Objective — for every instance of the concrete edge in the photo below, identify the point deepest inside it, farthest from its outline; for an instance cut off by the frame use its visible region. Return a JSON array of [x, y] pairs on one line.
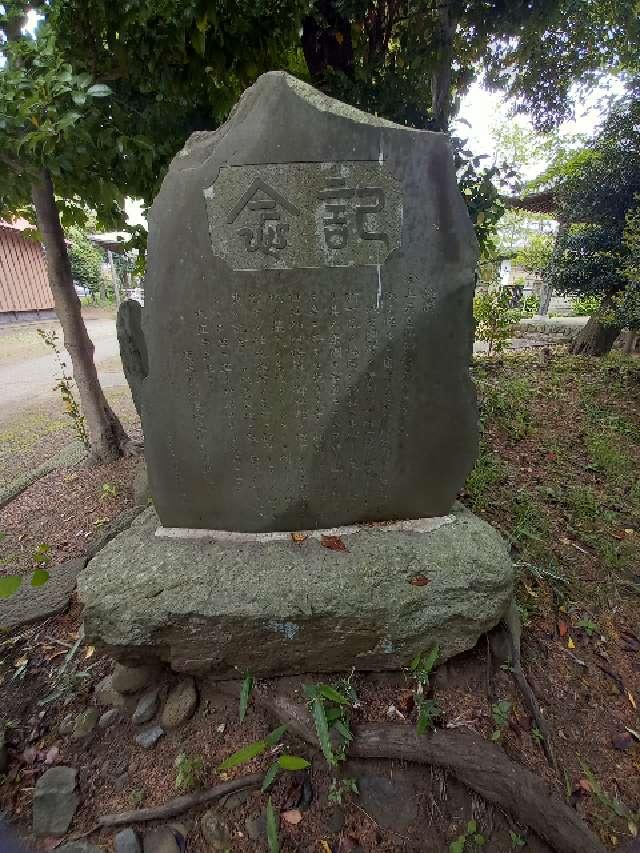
[[416, 525]]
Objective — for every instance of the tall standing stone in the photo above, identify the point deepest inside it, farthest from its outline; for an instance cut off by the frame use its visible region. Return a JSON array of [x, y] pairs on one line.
[[307, 323]]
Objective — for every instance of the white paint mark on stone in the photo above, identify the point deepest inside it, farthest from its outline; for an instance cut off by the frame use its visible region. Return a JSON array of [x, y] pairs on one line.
[[287, 629], [414, 525], [381, 154], [379, 293], [387, 647]]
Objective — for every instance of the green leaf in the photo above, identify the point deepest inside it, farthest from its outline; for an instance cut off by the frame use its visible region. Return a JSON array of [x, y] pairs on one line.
[[344, 730], [39, 577], [247, 753], [293, 762], [245, 694], [472, 827], [333, 695], [270, 777], [457, 846], [99, 90], [272, 829], [9, 585], [274, 736], [322, 728]]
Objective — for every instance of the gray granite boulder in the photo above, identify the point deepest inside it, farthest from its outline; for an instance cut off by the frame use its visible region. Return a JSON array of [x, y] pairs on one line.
[[285, 607], [54, 801]]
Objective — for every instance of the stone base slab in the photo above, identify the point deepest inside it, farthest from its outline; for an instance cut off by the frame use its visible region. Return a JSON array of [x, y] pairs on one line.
[[285, 607]]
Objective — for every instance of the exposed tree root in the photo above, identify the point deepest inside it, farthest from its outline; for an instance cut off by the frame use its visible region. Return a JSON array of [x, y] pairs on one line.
[[180, 804], [481, 766]]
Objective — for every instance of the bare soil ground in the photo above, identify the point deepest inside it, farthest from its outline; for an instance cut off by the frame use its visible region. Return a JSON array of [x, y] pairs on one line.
[[558, 474]]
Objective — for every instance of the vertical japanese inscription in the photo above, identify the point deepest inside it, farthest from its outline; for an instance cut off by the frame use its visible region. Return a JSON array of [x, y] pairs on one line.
[[304, 215]]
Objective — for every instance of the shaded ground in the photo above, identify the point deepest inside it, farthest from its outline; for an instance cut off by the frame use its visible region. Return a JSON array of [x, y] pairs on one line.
[[558, 474]]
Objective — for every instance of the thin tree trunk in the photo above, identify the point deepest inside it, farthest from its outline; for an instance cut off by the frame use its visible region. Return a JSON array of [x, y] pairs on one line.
[[106, 434], [441, 75], [599, 335]]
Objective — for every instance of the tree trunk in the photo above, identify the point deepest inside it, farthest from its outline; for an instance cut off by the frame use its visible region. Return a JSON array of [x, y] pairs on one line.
[[598, 336], [106, 434], [441, 75]]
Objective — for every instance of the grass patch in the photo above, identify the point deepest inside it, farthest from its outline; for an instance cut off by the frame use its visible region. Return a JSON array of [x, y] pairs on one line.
[[488, 473]]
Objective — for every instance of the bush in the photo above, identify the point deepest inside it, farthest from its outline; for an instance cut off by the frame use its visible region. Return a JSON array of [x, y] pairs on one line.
[[585, 306], [494, 318], [86, 261]]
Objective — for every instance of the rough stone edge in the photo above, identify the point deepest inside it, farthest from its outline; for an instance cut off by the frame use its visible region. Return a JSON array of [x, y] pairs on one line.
[[70, 455]]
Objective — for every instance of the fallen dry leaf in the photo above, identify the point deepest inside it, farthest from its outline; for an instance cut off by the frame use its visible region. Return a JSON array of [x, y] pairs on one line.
[[570, 643], [325, 847], [90, 651], [298, 537], [563, 628], [333, 543], [631, 699], [419, 580], [293, 816]]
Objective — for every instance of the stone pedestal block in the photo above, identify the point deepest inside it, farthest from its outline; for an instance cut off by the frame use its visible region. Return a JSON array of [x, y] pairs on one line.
[[284, 607]]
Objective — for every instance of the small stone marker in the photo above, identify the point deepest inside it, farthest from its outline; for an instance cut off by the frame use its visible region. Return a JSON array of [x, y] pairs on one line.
[[54, 801], [307, 321], [126, 841]]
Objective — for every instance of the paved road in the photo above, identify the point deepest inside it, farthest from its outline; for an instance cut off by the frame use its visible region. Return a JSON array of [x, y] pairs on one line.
[[23, 382]]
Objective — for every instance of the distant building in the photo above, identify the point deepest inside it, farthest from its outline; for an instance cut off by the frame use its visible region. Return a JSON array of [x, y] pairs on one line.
[[24, 285]]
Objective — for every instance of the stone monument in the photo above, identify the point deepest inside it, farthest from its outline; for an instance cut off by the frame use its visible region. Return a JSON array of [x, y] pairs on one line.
[[301, 368]]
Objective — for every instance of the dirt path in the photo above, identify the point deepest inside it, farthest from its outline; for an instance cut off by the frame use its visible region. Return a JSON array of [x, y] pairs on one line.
[[28, 371]]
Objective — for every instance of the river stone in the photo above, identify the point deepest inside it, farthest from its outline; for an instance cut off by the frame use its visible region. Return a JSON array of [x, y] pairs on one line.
[[302, 360], [79, 847], [126, 841], [282, 607], [130, 679], [85, 723], [109, 718], [161, 840], [390, 802], [215, 831], [105, 695], [147, 706], [149, 737], [54, 801], [180, 705]]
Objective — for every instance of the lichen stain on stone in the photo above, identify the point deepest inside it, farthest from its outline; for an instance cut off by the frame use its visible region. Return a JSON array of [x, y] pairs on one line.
[[287, 629]]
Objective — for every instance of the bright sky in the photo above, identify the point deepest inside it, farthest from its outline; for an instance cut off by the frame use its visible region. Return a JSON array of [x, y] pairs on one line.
[[484, 109]]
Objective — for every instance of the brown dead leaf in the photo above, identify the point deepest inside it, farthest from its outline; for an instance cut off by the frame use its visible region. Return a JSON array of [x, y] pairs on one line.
[[419, 580], [333, 543], [298, 537], [563, 628], [325, 847], [584, 785], [293, 816]]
